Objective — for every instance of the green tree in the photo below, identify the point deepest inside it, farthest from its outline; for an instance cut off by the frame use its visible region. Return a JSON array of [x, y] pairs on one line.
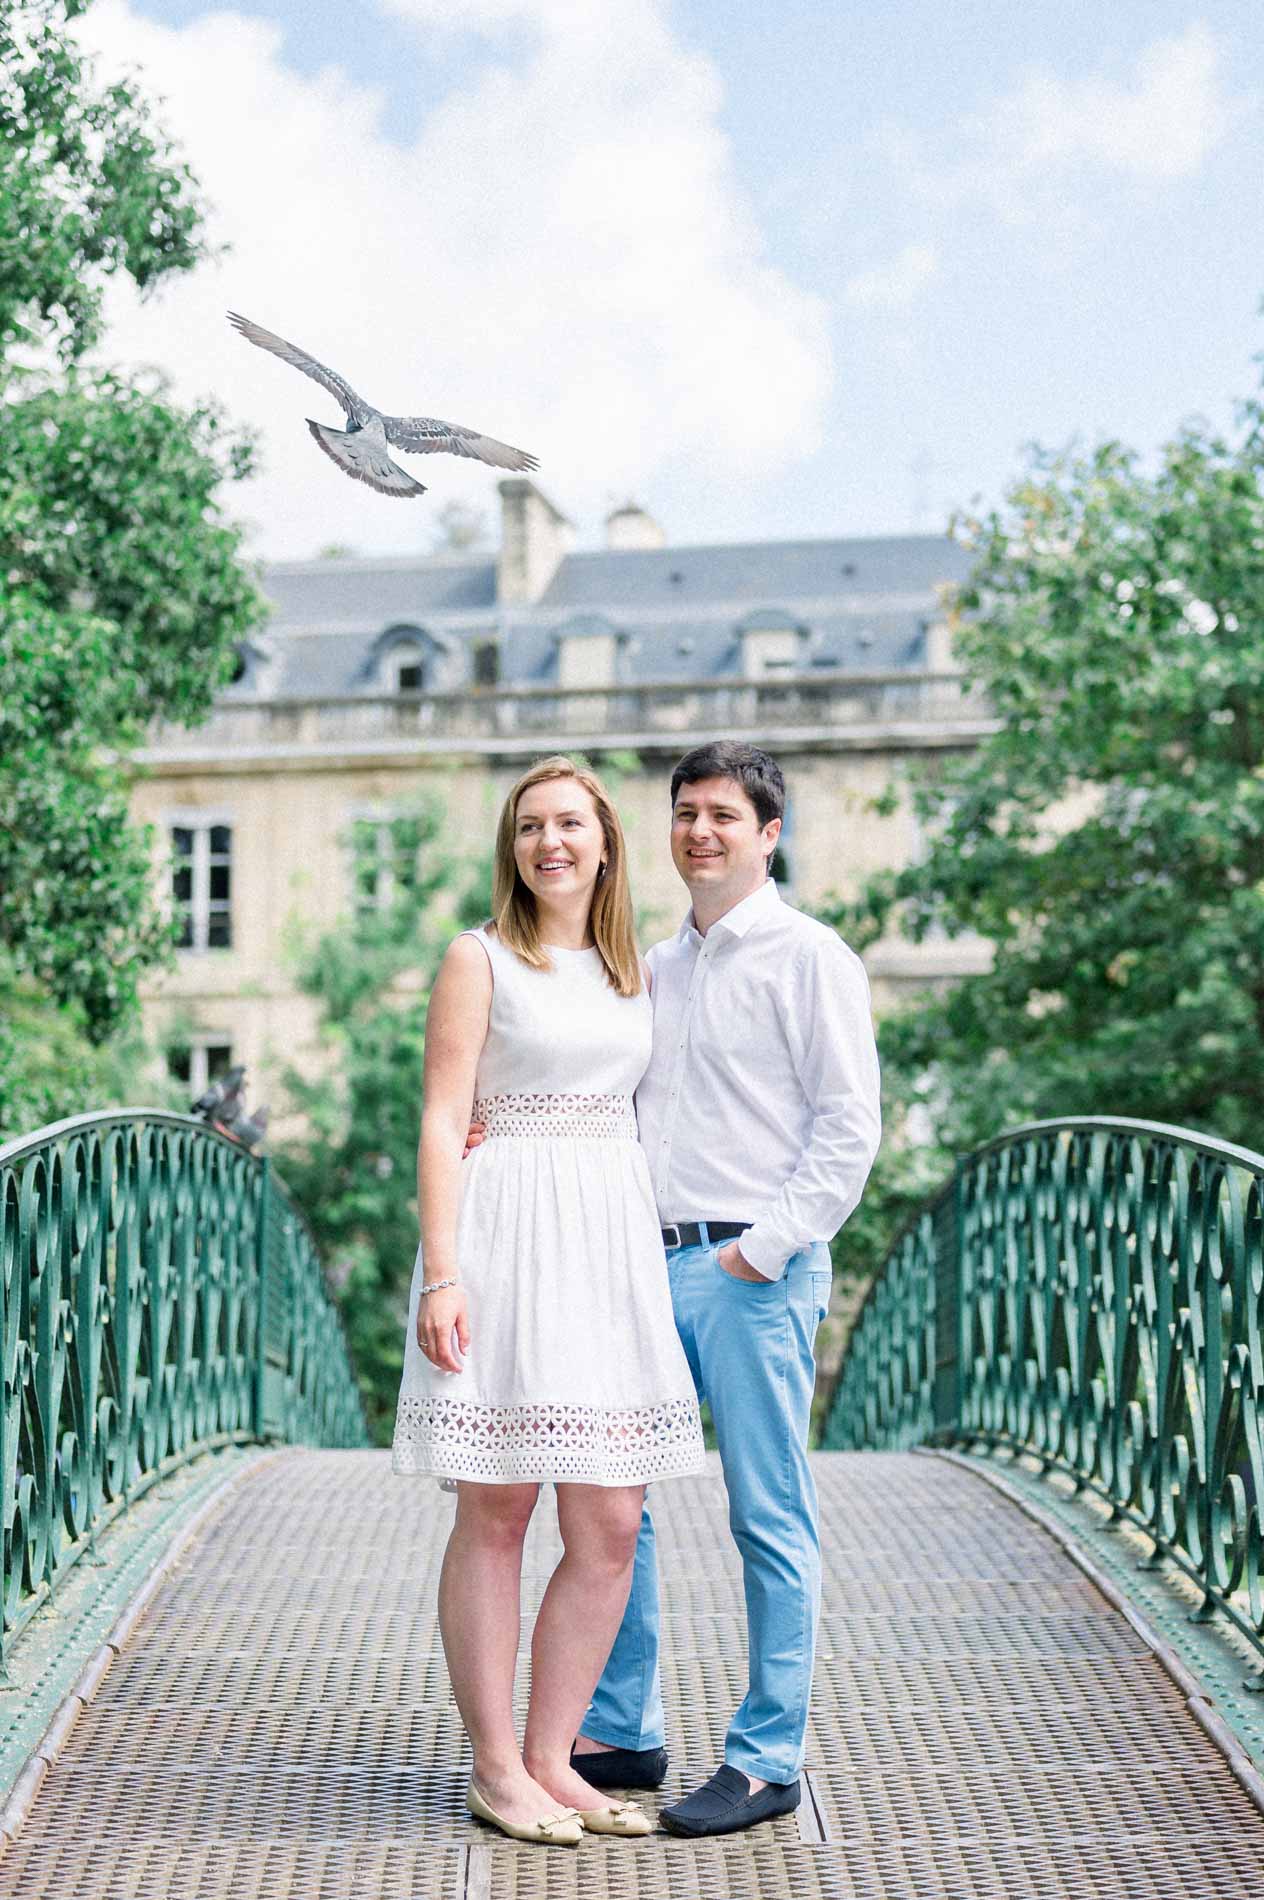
[[1108, 837], [50, 1066], [89, 187], [354, 1168], [124, 593]]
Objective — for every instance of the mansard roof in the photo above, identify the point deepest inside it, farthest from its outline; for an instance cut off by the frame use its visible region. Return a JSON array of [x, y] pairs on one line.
[[309, 596], [864, 603], [756, 571]]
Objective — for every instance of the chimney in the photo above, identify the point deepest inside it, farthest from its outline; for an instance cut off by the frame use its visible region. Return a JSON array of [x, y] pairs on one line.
[[534, 536], [631, 527], [940, 657]]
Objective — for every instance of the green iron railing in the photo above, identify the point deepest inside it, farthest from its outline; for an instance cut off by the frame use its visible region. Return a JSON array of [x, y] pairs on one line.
[[1090, 1291], [160, 1295]]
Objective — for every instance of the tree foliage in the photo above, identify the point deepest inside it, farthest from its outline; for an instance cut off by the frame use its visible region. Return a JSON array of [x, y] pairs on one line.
[[50, 1066], [1108, 837], [124, 599], [89, 187], [123, 591]]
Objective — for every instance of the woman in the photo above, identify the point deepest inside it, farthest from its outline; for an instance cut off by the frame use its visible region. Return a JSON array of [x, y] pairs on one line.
[[541, 1343]]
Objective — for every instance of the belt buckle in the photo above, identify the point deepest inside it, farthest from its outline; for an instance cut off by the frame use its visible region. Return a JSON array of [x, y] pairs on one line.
[[672, 1228]]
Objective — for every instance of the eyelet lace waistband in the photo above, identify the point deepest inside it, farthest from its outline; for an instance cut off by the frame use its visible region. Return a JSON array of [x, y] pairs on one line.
[[548, 1116]]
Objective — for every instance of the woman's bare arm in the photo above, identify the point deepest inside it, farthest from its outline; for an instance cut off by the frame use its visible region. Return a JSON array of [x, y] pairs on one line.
[[456, 1028]]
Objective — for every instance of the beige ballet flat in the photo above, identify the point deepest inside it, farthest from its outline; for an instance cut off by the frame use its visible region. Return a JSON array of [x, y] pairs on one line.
[[557, 1830], [621, 1817]]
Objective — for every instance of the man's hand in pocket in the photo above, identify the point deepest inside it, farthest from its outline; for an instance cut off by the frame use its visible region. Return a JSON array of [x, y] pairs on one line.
[[730, 1258]]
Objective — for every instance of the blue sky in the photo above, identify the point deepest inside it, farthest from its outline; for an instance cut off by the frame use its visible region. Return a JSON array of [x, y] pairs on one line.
[[823, 276]]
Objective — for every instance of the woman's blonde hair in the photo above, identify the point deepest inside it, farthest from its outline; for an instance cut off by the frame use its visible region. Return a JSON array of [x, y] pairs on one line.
[[514, 906]]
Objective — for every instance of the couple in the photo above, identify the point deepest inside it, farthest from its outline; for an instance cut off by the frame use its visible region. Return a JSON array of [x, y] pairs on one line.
[[547, 1339]]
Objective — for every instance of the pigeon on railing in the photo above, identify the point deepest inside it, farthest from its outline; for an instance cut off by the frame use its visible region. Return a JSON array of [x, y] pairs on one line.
[[361, 450], [223, 1107], [248, 1129], [224, 1091]]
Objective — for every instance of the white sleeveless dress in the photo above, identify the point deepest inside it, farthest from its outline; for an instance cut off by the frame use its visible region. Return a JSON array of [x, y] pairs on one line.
[[575, 1371]]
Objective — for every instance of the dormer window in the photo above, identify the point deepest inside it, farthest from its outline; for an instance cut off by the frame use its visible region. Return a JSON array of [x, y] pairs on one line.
[[771, 641], [255, 667], [405, 658], [588, 649]]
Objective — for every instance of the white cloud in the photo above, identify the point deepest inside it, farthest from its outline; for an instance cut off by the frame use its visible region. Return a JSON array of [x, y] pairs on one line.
[[892, 286], [1162, 124], [1036, 142], [560, 257]]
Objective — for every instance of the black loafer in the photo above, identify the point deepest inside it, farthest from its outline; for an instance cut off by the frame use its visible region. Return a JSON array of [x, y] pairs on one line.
[[725, 1805], [622, 1767]]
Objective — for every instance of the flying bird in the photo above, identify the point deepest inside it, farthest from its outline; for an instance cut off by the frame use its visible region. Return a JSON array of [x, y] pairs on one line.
[[361, 450]]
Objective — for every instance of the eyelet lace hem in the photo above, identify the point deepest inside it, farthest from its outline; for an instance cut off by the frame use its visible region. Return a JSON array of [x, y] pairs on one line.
[[549, 1116], [589, 1444]]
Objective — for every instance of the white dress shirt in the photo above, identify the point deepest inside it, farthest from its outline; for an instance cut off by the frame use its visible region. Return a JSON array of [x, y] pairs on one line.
[[761, 1099]]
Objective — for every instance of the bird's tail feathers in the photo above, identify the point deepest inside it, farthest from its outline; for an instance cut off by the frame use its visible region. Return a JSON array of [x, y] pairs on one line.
[[347, 448]]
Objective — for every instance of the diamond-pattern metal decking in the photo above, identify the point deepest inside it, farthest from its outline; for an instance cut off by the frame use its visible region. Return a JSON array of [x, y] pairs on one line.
[[984, 1723]]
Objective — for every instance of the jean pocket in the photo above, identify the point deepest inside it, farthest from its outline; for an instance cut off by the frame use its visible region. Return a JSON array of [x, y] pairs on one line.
[[751, 1286]]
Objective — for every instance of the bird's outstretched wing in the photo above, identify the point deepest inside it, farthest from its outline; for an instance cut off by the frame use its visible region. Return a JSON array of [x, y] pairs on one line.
[[343, 394], [426, 435], [363, 463]]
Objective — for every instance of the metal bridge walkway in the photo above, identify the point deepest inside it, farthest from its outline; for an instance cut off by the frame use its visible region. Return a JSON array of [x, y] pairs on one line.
[[985, 1723]]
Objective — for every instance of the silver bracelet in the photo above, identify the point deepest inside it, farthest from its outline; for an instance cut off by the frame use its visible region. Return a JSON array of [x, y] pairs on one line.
[[435, 1286]]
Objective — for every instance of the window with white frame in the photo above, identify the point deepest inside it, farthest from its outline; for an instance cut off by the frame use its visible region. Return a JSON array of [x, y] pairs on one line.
[[385, 860], [201, 882], [200, 1061]]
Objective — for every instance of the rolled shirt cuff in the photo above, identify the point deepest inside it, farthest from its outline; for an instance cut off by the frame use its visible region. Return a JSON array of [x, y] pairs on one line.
[[768, 1257]]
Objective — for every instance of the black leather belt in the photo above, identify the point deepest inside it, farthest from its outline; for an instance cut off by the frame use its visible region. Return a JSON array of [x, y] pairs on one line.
[[694, 1233]]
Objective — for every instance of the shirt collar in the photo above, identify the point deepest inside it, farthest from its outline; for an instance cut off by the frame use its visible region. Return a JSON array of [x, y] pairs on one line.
[[742, 916]]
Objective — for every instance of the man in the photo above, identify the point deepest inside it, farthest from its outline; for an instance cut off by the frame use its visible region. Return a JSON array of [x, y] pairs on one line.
[[759, 1114]]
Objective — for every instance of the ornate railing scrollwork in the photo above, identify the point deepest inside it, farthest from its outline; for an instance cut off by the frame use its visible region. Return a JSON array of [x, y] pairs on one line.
[[1090, 1291], [160, 1295]]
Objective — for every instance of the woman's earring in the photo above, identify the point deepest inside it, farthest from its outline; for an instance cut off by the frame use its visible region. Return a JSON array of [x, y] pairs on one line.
[[601, 868]]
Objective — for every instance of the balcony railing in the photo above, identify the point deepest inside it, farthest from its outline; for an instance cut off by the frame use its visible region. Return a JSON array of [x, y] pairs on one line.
[[676, 710]]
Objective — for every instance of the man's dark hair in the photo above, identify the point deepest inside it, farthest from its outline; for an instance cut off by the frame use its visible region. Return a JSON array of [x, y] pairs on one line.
[[756, 772]]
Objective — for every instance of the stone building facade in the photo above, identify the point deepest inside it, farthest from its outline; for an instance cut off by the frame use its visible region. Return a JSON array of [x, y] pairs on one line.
[[376, 680]]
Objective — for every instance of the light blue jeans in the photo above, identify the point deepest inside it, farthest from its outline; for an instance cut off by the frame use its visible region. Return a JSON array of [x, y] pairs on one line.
[[749, 1347]]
